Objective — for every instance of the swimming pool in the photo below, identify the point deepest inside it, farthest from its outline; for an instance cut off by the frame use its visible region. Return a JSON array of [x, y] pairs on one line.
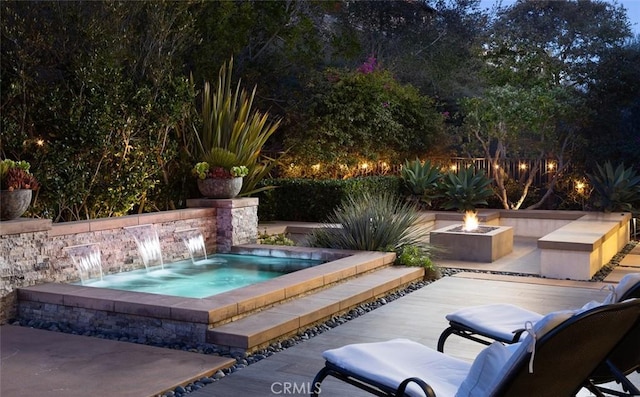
[[204, 277]]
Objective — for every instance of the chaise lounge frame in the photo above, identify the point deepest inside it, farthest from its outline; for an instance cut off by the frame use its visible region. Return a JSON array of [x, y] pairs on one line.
[[564, 358], [623, 361]]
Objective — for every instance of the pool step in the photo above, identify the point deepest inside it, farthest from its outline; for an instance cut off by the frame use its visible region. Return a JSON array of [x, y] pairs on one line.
[[276, 323]]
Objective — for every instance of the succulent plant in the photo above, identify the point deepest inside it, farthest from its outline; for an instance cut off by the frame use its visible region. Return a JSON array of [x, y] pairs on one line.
[[15, 175], [421, 179], [466, 189], [615, 190]]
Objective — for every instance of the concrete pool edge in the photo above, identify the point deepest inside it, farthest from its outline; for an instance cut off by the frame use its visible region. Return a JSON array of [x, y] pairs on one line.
[[160, 317]]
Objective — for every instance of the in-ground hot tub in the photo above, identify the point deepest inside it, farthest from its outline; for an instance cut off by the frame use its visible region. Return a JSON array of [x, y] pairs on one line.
[[201, 278], [153, 318]]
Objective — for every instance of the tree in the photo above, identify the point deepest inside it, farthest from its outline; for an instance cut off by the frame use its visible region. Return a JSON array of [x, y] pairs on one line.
[[363, 116], [553, 42], [540, 57], [428, 44], [612, 126], [517, 123], [93, 98]]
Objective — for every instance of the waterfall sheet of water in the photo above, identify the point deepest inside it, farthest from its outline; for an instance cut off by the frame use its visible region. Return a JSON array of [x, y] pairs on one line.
[[194, 241], [148, 243], [87, 259]]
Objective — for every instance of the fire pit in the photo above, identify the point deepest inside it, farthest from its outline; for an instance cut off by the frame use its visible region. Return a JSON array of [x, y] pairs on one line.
[[473, 242]]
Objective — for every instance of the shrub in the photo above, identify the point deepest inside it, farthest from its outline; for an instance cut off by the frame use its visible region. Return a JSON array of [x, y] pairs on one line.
[[370, 222], [95, 110], [275, 239], [413, 255], [309, 200], [369, 116]]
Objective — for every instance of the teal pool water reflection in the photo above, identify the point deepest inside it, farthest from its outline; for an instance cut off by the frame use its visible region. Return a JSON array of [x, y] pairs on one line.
[[205, 277]]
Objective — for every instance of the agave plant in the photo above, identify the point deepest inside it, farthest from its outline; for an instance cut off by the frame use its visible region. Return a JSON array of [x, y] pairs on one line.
[[230, 122], [372, 223], [616, 190], [421, 179], [466, 189]]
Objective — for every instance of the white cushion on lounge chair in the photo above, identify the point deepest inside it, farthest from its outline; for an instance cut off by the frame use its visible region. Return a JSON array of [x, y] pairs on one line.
[[487, 366], [625, 284], [393, 361], [498, 319], [537, 331]]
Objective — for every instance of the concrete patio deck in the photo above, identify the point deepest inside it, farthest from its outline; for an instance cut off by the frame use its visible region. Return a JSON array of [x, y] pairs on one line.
[[38, 362]]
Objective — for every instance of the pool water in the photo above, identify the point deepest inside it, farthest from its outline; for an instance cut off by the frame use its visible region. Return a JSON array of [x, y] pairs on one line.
[[204, 277]]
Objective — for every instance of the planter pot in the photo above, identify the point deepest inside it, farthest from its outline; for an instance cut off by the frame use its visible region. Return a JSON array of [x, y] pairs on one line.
[[220, 188], [13, 203]]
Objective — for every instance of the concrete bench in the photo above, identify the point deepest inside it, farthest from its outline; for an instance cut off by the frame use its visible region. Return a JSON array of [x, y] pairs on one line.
[[580, 248]]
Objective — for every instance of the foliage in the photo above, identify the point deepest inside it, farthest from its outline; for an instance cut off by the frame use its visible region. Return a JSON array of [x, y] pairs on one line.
[[615, 190], [548, 52], [511, 122], [275, 239], [412, 255], [370, 222], [230, 122], [612, 126], [466, 189], [421, 178], [15, 175], [551, 43], [364, 116], [430, 45], [311, 200], [7, 164], [95, 94], [95, 106], [514, 190], [220, 157], [568, 195], [204, 170]]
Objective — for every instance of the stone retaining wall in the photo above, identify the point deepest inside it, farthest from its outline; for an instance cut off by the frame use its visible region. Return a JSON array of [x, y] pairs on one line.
[[32, 250]]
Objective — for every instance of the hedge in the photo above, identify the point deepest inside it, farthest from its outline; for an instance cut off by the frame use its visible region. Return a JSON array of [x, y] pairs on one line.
[[311, 200]]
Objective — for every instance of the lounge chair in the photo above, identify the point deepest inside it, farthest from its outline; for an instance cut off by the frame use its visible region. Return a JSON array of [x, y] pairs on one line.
[[503, 322], [555, 358]]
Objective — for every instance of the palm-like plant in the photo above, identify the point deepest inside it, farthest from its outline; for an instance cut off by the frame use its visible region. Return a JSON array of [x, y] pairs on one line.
[[616, 190], [230, 122], [466, 189], [371, 223]]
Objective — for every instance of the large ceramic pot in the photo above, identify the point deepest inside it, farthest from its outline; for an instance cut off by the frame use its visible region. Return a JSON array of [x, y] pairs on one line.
[[220, 188], [13, 203]]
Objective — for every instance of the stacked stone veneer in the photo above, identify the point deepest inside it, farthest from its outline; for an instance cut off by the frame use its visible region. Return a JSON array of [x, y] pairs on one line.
[[145, 329], [32, 250]]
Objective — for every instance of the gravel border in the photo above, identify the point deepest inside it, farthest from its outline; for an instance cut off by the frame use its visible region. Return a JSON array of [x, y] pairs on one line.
[[243, 360]]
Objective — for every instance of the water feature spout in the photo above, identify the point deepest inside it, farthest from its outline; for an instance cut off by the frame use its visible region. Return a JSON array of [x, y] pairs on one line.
[[87, 260], [194, 241], [148, 243]]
